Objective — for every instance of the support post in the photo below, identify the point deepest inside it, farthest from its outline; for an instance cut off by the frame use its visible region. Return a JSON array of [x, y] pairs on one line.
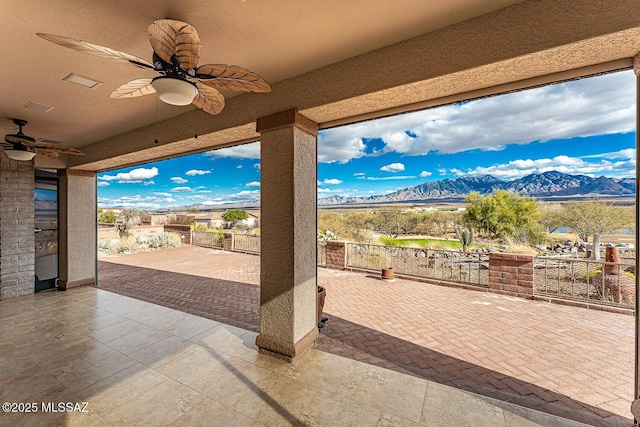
[[288, 270], [77, 228]]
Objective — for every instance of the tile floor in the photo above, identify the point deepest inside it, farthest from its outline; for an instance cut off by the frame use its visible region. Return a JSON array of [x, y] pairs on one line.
[[136, 363], [570, 362]]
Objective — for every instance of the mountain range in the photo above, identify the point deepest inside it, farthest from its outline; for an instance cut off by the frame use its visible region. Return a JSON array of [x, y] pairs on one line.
[[547, 184]]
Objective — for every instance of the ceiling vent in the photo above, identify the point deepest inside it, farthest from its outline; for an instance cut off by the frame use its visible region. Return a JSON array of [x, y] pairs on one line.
[[82, 81], [34, 106]]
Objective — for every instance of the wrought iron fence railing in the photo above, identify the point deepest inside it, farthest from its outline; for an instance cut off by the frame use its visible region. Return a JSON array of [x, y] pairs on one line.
[[470, 268], [246, 243], [209, 239], [321, 254], [585, 280]]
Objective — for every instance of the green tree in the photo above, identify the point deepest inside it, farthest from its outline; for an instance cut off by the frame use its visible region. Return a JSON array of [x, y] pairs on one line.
[[501, 214], [234, 215], [595, 217], [107, 217]]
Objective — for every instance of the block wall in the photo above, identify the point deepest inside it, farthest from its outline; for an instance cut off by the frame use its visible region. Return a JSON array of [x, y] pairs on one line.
[[17, 238]]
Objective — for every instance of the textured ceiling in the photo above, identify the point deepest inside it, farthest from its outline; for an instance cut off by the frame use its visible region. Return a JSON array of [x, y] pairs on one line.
[[341, 60]]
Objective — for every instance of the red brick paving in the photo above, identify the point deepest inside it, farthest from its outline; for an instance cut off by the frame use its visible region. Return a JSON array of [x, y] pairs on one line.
[[572, 362]]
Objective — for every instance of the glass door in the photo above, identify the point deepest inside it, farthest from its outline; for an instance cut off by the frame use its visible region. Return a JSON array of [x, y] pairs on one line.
[[46, 229]]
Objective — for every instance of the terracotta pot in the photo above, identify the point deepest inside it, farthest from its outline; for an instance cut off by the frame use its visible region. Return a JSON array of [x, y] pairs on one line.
[[387, 273], [322, 294]]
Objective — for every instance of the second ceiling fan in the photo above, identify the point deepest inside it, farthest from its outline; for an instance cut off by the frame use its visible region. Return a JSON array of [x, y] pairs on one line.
[[176, 52]]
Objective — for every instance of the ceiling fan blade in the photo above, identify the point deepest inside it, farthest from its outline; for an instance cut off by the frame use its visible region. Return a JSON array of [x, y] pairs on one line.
[[96, 49], [170, 38], [48, 146], [208, 99], [133, 88], [48, 153], [17, 139], [231, 77]]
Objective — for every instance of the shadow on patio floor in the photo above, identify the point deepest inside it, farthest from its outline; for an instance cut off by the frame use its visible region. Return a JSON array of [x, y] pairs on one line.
[[237, 304]]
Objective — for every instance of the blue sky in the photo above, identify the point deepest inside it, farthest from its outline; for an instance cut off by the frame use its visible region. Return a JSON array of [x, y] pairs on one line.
[[585, 126]]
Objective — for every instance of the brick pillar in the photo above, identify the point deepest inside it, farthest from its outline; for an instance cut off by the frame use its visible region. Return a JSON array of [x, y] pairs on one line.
[[227, 244], [511, 274], [336, 254], [17, 238]]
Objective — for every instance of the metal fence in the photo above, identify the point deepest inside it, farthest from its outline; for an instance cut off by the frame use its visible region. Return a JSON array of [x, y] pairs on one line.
[[585, 280], [463, 267], [209, 239], [246, 243], [321, 254]]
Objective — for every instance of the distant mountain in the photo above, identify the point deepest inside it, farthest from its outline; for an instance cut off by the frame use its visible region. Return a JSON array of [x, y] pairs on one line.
[[547, 184]]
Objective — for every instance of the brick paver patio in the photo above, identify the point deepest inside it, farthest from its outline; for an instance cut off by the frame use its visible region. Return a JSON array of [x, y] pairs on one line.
[[571, 362]]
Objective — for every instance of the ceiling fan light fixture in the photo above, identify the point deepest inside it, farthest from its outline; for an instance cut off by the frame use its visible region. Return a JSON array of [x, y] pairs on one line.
[[174, 91], [20, 155]]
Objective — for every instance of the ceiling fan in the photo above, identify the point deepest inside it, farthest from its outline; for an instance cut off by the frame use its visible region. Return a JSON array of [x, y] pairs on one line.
[[22, 147], [176, 51]]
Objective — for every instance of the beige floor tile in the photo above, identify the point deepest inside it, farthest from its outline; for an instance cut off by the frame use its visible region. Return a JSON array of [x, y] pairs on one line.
[[118, 389], [230, 381], [517, 416], [77, 375], [228, 339], [159, 353], [138, 340], [117, 331], [209, 413], [191, 326], [161, 405], [277, 401], [392, 392], [148, 313], [191, 364], [333, 373], [445, 404], [329, 409]]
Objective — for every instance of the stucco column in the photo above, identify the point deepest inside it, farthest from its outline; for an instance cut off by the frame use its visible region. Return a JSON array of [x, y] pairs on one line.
[[635, 406], [288, 272], [77, 228]]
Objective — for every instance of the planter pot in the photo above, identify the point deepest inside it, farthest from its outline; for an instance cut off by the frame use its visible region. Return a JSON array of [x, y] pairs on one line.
[[387, 274], [322, 294]]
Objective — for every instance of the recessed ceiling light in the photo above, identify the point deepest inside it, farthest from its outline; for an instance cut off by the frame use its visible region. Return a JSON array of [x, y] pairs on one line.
[[82, 81], [38, 107]]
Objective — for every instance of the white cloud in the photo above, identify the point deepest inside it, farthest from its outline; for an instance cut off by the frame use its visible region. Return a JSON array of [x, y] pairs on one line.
[[330, 181], [150, 182], [393, 167], [178, 180], [324, 190], [386, 178], [595, 106], [157, 193], [239, 167], [624, 167], [135, 176], [424, 174], [103, 184], [181, 189], [627, 153], [194, 172], [244, 151], [359, 174], [252, 184], [442, 171]]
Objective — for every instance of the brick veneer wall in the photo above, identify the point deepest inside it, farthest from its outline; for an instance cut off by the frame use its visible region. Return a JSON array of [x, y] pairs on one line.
[[183, 230], [336, 255], [511, 274], [227, 243], [17, 238]]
